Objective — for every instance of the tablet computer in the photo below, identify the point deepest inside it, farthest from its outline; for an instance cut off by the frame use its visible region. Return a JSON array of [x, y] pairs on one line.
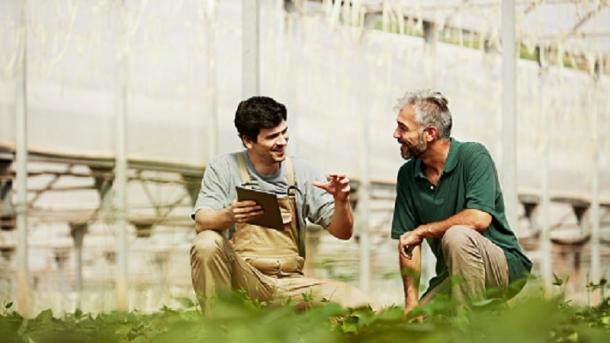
[[271, 217]]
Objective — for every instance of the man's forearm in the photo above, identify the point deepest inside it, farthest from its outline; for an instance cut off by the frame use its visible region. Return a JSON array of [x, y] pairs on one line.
[[218, 220], [342, 222], [476, 219], [410, 270]]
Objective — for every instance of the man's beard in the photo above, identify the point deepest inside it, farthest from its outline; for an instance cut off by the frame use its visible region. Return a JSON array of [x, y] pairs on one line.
[[412, 152]]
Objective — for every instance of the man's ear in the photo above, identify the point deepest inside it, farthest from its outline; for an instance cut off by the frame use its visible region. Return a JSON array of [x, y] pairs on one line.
[[247, 142], [430, 134]]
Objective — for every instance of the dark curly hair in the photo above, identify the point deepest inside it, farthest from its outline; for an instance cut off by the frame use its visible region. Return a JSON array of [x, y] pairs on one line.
[[258, 112]]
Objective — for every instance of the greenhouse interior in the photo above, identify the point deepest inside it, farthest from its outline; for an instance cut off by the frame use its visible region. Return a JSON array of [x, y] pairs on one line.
[[111, 109]]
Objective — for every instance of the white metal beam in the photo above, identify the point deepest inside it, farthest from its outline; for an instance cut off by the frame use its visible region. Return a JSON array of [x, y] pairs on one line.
[[212, 84], [21, 157], [120, 171], [364, 197], [250, 48], [595, 184], [546, 261], [509, 120]]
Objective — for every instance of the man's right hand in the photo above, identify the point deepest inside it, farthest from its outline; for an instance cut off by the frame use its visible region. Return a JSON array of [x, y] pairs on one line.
[[408, 241], [244, 211]]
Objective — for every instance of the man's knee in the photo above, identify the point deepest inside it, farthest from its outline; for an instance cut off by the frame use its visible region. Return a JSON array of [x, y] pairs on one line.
[[207, 245], [457, 238]]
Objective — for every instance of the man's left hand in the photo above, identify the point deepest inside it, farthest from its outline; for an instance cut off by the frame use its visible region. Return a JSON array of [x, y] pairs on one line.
[[408, 240], [338, 186]]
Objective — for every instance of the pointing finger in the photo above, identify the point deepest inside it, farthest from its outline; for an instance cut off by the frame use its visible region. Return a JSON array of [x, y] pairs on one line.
[[321, 185]]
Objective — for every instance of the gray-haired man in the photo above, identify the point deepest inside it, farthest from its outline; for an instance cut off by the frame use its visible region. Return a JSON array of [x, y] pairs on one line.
[[448, 193]]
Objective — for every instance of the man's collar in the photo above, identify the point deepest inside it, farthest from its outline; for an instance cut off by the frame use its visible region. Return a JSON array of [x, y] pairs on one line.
[[449, 165], [452, 156]]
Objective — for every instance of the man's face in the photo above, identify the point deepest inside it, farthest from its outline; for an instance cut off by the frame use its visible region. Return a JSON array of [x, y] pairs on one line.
[[409, 134], [271, 144]]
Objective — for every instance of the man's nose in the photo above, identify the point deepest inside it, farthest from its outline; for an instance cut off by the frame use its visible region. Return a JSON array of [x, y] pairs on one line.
[[395, 134], [283, 140]]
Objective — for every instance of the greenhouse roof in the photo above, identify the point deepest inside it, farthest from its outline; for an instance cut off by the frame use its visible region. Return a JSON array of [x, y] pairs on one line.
[[577, 26]]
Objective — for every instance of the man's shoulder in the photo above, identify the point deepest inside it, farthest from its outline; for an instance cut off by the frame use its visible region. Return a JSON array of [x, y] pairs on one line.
[[405, 172], [472, 148], [474, 155]]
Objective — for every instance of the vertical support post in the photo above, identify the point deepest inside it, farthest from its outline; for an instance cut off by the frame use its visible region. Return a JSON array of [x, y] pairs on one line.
[[21, 157], [595, 184], [120, 181], [364, 197], [509, 120], [210, 17], [77, 231], [250, 48], [363, 223], [545, 237]]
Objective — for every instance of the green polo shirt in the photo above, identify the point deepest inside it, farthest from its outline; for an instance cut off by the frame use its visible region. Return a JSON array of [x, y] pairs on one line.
[[469, 180]]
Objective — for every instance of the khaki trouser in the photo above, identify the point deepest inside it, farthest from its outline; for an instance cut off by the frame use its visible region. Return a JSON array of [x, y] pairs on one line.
[[216, 267], [475, 264]]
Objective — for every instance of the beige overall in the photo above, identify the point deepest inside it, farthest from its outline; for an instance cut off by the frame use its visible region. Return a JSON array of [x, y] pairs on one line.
[[264, 262]]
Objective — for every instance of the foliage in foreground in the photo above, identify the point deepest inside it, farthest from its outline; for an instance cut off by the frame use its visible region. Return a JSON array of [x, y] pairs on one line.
[[238, 319]]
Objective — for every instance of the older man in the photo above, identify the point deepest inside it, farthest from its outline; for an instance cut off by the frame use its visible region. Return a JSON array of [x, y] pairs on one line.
[[448, 193]]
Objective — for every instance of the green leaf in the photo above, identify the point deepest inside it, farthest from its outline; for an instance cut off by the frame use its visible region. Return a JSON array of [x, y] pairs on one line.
[[573, 337], [185, 302]]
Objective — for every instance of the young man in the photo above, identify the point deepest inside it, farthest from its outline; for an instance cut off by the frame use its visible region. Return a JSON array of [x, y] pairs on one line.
[[229, 252], [448, 193]]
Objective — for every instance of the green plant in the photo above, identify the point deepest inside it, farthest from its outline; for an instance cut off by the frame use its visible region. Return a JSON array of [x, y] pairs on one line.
[[236, 318]]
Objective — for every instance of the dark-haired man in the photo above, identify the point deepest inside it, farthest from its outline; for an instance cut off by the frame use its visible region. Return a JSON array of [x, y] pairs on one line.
[[448, 193], [229, 252]]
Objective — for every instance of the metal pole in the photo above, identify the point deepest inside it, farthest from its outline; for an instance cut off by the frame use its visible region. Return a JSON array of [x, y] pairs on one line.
[[211, 78], [78, 230], [509, 120], [120, 182], [595, 213], [545, 237], [364, 197], [363, 214], [21, 157], [250, 48]]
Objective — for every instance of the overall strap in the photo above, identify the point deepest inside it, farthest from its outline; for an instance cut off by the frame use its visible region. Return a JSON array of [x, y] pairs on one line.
[[290, 172], [245, 176], [293, 190]]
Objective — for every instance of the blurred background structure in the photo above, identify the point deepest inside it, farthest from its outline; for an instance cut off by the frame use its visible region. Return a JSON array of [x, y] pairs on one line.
[[110, 109]]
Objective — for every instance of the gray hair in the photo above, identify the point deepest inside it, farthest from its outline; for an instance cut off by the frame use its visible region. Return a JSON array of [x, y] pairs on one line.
[[431, 110]]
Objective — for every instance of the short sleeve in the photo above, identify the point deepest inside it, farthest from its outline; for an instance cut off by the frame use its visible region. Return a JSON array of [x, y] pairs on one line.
[[214, 193], [481, 183], [319, 204], [403, 219]]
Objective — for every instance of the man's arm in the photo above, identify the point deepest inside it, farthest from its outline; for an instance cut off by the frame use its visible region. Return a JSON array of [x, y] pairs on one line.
[[342, 221], [476, 219], [238, 212], [410, 270]]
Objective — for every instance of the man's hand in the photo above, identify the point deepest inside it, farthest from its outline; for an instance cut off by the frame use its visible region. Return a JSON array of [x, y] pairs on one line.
[[408, 241], [338, 186], [243, 211]]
